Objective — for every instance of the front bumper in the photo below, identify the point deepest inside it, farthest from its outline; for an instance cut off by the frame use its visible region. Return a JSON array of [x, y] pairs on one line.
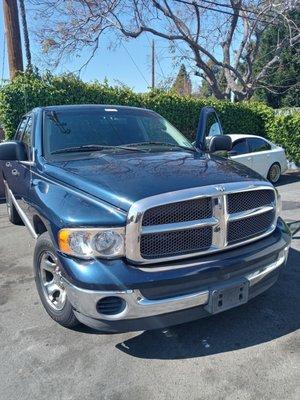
[[138, 307], [161, 297]]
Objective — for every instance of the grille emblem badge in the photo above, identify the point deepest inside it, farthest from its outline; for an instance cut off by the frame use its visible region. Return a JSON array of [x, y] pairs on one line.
[[220, 188]]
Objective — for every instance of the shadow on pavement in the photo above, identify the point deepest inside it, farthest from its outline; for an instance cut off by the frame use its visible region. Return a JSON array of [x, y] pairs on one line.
[[289, 177], [271, 315]]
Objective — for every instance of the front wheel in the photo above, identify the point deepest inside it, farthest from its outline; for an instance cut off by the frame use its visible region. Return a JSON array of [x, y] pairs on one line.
[[52, 293], [274, 173]]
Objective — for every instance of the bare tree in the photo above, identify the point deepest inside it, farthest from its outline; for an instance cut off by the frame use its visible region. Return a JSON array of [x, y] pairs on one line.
[[204, 33]]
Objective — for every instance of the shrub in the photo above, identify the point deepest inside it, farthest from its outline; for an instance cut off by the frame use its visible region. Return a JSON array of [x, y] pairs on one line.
[[27, 91], [286, 132]]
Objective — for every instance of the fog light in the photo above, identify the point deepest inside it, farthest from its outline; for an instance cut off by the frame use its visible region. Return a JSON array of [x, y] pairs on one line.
[[111, 305]]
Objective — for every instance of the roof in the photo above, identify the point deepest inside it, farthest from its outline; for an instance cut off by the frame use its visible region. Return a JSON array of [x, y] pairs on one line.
[[239, 136], [99, 106]]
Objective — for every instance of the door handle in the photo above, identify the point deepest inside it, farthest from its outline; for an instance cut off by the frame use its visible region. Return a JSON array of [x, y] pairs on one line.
[[15, 172], [8, 163]]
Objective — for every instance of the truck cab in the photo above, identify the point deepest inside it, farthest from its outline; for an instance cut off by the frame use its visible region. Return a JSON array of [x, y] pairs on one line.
[[135, 226]]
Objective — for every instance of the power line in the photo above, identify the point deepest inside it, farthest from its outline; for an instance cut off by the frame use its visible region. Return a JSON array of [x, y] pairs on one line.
[[238, 8], [137, 67]]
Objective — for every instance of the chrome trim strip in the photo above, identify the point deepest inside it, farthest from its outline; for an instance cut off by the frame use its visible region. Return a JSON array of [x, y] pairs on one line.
[[21, 213], [137, 306], [258, 275], [218, 194], [179, 226], [250, 213], [219, 238]]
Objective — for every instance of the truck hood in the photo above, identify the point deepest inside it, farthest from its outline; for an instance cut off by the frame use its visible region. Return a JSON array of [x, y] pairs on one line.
[[122, 178]]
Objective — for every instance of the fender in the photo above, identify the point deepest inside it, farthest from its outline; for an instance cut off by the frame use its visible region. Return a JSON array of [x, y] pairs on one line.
[[49, 198]]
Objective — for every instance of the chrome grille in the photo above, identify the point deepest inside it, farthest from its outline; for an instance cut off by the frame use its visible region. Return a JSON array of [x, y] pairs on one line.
[[171, 213], [238, 202], [175, 243], [248, 228], [199, 221]]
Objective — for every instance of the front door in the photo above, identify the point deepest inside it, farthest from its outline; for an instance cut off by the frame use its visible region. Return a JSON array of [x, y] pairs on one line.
[[17, 174], [209, 125], [241, 153], [261, 155]]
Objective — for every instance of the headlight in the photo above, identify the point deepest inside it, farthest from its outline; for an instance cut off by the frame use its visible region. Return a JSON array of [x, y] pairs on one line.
[[88, 243]]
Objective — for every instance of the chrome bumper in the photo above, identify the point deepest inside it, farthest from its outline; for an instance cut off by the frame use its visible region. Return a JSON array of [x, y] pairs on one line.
[[137, 306]]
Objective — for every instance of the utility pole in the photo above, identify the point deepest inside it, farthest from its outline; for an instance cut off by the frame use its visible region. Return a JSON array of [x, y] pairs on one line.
[[14, 46], [25, 35], [153, 66]]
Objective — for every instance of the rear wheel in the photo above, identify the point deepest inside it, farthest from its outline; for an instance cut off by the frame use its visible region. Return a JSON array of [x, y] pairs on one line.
[[12, 212], [274, 173], [50, 287]]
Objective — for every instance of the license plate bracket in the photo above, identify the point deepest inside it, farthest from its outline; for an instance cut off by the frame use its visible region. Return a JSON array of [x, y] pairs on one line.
[[228, 296]]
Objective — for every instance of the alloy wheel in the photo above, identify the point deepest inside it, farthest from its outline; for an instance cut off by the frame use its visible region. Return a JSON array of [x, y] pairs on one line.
[[274, 173], [50, 279]]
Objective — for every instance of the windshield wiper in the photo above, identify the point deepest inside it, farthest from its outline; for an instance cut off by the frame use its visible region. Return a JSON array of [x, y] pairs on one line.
[[160, 144], [92, 147]]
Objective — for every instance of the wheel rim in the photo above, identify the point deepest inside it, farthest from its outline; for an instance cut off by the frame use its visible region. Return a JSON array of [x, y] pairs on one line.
[[274, 173], [50, 278]]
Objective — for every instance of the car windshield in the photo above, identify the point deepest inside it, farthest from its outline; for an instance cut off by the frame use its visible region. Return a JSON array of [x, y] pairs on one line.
[[91, 129]]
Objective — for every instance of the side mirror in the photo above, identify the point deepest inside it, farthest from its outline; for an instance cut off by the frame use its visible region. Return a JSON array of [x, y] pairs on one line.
[[13, 151], [220, 143]]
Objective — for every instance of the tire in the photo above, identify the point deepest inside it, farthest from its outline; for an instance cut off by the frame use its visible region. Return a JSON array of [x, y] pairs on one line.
[[52, 294], [274, 173], [12, 212]]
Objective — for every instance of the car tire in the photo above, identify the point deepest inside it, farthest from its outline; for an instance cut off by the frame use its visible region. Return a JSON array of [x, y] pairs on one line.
[[49, 286], [12, 212], [274, 173]]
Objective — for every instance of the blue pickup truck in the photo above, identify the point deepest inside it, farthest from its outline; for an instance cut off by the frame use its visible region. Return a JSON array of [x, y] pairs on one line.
[[136, 227]]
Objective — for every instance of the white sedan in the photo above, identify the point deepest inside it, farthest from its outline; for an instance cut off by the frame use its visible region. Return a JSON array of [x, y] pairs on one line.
[[259, 154]]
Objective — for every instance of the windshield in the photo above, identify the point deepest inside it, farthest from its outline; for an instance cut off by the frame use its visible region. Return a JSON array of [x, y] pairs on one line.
[[73, 130]]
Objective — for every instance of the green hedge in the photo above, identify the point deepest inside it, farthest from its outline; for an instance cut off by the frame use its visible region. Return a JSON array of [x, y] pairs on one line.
[[286, 132], [29, 90]]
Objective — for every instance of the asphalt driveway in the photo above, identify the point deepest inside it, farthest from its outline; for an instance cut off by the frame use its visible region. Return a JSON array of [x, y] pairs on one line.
[[252, 352]]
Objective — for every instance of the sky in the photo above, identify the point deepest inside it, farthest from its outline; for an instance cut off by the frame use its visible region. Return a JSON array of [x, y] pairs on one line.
[[115, 65]]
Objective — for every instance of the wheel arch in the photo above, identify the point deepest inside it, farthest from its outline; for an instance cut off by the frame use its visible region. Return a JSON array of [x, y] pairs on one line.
[[39, 225]]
